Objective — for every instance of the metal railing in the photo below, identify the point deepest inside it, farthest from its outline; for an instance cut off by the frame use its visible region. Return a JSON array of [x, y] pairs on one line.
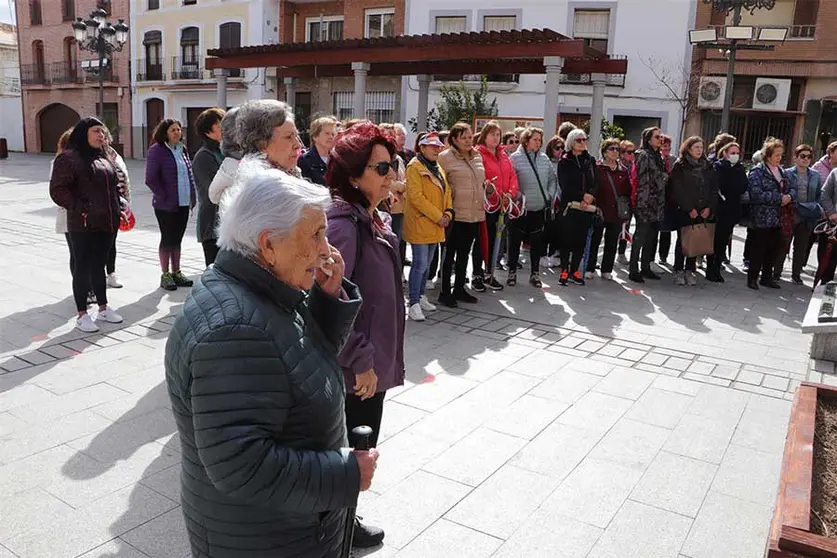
[[33, 74], [65, 72], [476, 78], [188, 68], [86, 71], [614, 80], [150, 70], [802, 31]]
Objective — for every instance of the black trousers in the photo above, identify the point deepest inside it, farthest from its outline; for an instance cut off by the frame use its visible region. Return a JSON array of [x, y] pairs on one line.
[[765, 243], [476, 253], [364, 413], [90, 252], [748, 244], [642, 247], [623, 244], [801, 242], [574, 227], [826, 268], [531, 226], [552, 238], [110, 265], [723, 234], [210, 250], [610, 233], [69, 240], [680, 261], [664, 244], [172, 226], [460, 242]]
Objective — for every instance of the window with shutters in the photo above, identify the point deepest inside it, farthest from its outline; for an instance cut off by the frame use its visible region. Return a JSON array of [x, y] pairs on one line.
[[230, 37], [805, 19], [451, 24], [594, 27], [380, 105], [325, 28], [68, 10], [38, 59], [153, 4], [499, 23], [189, 44], [152, 67], [35, 16], [380, 22]]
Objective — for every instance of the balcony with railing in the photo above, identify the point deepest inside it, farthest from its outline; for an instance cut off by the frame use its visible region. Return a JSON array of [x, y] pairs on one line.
[[613, 80], [188, 68], [795, 32], [33, 74], [150, 70]]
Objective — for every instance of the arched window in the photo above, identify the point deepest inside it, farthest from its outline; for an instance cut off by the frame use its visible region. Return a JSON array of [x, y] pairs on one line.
[[38, 61], [70, 59], [230, 37], [153, 67], [189, 67]]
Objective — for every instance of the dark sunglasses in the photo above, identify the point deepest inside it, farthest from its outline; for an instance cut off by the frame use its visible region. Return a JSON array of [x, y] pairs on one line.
[[613, 148], [628, 152], [383, 167], [580, 140], [805, 156], [656, 137], [513, 141], [558, 147]]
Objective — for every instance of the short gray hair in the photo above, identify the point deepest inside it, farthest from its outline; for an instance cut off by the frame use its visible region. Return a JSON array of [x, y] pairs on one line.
[[400, 127], [256, 121], [265, 200], [571, 137], [229, 135]]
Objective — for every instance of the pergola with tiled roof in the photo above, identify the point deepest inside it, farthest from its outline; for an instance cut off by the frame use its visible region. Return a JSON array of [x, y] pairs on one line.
[[529, 51]]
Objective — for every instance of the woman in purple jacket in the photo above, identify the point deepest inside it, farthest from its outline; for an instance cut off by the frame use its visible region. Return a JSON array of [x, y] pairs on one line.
[[361, 168], [168, 173]]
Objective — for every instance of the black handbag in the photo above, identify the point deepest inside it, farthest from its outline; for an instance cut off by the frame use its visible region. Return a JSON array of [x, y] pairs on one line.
[[623, 203], [549, 216]]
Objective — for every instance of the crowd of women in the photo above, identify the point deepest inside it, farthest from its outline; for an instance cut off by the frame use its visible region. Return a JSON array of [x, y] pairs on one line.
[[295, 334]]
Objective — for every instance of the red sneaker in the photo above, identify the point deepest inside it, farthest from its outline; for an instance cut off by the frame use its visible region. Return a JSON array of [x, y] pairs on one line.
[[565, 276]]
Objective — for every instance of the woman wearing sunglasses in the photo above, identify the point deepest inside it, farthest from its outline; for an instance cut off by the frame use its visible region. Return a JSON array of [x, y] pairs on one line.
[[510, 142], [554, 150], [807, 183], [361, 170]]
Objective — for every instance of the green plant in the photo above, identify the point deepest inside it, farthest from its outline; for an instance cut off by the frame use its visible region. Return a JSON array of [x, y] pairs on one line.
[[459, 103], [609, 130], [432, 122]]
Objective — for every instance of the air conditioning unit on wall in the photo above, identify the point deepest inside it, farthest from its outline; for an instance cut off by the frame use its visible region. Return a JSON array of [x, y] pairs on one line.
[[771, 94], [711, 92]]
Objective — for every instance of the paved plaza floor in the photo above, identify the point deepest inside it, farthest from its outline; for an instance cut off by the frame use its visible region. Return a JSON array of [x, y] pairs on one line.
[[602, 421]]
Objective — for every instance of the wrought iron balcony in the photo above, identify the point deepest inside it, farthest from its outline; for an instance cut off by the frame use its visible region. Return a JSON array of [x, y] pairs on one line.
[[802, 31], [33, 74], [613, 80], [150, 70], [188, 68], [90, 71], [65, 72]]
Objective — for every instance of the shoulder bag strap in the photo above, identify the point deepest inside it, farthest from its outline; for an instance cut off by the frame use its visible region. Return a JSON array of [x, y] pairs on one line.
[[612, 185], [537, 177]]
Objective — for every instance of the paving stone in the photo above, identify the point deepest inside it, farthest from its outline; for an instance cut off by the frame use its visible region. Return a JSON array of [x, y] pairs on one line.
[[677, 385], [31, 441], [13, 364], [120, 439], [25, 509], [58, 351], [654, 359], [762, 430], [628, 383], [590, 366], [728, 527], [545, 534], [749, 474], [566, 386], [567, 351], [782, 373], [162, 537], [591, 346], [36, 357], [521, 493], [659, 370], [701, 437], [458, 463], [557, 450], [725, 372], [540, 364], [631, 444], [114, 548], [396, 418], [122, 335], [593, 492], [527, 417], [822, 366], [720, 382], [760, 390], [714, 402], [675, 483], [432, 396], [640, 531], [595, 411], [704, 368], [10, 423], [632, 354], [611, 350], [445, 538], [750, 377], [774, 382], [660, 408], [67, 404], [681, 364], [569, 342]]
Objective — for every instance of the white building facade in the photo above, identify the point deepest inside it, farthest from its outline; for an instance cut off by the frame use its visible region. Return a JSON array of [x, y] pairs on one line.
[[11, 109], [659, 56], [170, 39]]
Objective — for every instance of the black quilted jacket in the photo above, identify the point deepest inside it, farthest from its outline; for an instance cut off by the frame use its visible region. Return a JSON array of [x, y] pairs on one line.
[[258, 396]]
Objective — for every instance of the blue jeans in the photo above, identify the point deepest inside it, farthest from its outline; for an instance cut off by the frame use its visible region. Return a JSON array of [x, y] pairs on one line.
[[422, 254]]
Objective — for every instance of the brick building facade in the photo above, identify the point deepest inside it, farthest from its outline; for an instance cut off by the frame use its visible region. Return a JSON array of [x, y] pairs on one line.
[[348, 19], [807, 59], [57, 89]]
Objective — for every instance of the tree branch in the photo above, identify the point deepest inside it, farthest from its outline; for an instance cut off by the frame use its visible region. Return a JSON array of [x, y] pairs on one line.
[[662, 75]]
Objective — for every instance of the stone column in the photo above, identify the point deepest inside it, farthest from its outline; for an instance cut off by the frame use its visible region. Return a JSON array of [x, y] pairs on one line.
[[423, 99], [290, 91], [221, 93], [361, 70], [595, 137], [553, 65]]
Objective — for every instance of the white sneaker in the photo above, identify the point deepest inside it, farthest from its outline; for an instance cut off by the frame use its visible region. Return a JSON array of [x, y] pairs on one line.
[[691, 279], [679, 278], [607, 276], [112, 281], [85, 324], [546, 262], [415, 313], [589, 275], [426, 305], [108, 315]]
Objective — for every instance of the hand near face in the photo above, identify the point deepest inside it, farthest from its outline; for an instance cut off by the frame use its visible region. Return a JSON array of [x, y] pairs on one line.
[[329, 275], [705, 213]]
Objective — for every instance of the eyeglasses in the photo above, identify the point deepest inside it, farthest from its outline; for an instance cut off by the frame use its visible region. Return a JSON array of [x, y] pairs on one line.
[[513, 141], [580, 140], [628, 152], [613, 148], [805, 156], [383, 167], [558, 147]]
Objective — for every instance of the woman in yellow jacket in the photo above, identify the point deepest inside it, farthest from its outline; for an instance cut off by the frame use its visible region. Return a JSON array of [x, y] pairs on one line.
[[427, 213]]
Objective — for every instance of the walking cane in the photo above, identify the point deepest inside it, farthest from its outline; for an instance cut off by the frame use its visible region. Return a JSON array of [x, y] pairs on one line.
[[362, 435]]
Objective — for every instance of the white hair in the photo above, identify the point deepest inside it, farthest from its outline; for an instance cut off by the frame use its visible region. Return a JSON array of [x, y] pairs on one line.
[[265, 200], [572, 136], [400, 127]]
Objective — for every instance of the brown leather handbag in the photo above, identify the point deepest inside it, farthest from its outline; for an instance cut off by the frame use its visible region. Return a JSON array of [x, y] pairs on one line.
[[698, 240]]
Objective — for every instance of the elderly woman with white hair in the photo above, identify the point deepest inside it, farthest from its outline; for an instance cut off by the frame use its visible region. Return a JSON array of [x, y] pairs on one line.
[[268, 136], [255, 384]]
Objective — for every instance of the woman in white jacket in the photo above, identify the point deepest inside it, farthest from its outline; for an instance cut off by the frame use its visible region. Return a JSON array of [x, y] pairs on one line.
[[232, 152]]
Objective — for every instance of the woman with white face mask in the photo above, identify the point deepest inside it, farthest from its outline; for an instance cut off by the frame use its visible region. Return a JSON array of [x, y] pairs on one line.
[[732, 183]]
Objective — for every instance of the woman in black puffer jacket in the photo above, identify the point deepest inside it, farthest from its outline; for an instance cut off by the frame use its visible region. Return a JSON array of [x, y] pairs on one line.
[[732, 184]]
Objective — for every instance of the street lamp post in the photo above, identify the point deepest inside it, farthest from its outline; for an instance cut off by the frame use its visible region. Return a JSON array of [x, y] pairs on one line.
[[97, 35], [736, 36]]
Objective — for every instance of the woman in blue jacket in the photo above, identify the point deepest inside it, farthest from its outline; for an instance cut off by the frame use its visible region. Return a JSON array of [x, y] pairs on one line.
[[770, 191], [807, 184]]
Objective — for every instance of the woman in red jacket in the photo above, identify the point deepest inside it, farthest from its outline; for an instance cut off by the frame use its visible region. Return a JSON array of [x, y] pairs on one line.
[[498, 171], [614, 184]]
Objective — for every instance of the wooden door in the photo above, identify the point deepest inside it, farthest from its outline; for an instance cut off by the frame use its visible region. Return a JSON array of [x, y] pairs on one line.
[[154, 110], [53, 121]]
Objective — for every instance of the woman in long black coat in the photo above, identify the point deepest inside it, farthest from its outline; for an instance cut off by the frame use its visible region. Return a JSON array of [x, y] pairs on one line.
[[732, 184]]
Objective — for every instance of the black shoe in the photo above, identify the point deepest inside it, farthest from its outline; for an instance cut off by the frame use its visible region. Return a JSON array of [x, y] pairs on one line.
[[714, 278], [366, 536], [512, 280], [565, 277], [636, 277], [577, 278], [752, 285], [462, 295], [180, 280], [493, 284], [535, 281], [478, 284], [648, 274], [448, 300], [770, 284], [797, 280]]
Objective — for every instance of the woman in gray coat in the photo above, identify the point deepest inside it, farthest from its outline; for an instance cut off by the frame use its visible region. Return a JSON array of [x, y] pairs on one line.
[[205, 166], [256, 389]]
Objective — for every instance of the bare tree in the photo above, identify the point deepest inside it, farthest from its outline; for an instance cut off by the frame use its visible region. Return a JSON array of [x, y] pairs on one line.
[[677, 83]]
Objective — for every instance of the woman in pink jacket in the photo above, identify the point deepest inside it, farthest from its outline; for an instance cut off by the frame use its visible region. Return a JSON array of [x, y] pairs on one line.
[[498, 171]]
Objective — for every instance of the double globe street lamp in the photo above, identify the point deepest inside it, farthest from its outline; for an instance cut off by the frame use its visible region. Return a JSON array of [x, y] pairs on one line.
[[97, 35], [735, 38]]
